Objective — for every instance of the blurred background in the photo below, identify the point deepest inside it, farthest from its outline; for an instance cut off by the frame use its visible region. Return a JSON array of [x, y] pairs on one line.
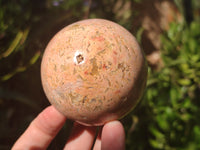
[[167, 118]]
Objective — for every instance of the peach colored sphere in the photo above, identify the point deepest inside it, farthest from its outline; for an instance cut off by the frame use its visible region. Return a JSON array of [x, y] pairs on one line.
[[93, 71]]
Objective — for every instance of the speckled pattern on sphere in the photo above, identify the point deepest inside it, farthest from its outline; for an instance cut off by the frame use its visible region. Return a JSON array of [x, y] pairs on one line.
[[93, 71]]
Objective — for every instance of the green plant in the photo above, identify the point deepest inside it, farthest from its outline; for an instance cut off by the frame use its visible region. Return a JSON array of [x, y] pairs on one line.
[[173, 91], [14, 31], [168, 116]]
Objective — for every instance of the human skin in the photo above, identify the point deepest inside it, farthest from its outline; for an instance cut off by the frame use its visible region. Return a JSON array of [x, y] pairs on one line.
[[48, 123]]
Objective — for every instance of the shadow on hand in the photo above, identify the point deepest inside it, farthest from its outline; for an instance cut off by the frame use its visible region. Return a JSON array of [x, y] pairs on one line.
[[78, 130]]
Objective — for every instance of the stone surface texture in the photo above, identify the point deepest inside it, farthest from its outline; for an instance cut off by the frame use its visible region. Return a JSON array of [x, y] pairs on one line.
[[93, 71]]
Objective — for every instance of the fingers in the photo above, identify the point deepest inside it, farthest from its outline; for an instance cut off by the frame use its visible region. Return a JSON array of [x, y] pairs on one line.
[[97, 145], [41, 131], [82, 137], [47, 124], [112, 137]]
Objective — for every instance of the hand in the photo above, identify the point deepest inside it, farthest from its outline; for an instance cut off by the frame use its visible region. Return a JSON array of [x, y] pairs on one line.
[[47, 124]]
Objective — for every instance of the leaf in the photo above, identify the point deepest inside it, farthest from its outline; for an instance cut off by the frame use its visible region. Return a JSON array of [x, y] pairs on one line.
[[21, 68], [195, 26], [163, 122], [159, 140], [156, 144], [156, 132], [174, 94], [193, 45], [35, 58], [25, 35], [11, 74], [184, 82], [13, 45], [196, 130], [186, 117], [139, 34]]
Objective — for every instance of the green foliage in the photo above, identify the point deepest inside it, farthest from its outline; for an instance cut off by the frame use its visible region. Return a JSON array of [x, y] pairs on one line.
[[168, 116], [173, 92], [17, 21], [14, 31]]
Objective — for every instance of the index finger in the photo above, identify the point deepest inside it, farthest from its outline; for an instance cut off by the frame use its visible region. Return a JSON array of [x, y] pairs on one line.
[[41, 131]]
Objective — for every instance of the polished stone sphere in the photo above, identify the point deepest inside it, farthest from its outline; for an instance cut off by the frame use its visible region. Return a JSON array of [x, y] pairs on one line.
[[93, 71]]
